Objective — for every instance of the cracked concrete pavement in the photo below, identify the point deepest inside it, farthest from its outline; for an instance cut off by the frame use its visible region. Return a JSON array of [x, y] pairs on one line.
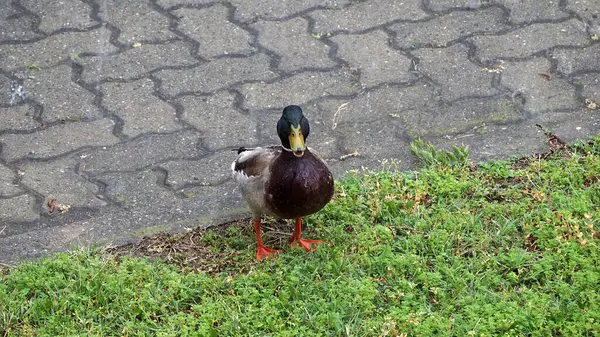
[[126, 111]]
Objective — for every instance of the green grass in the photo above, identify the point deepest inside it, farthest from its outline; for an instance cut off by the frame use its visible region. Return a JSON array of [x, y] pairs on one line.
[[506, 248]]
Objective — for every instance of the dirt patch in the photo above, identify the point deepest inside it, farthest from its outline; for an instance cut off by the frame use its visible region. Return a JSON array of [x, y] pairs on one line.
[[212, 250]]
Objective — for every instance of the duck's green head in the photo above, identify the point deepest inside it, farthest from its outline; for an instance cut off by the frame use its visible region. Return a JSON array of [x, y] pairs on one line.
[[293, 129]]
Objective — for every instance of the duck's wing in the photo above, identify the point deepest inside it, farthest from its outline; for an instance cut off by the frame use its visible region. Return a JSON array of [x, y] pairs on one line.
[[253, 162], [251, 171]]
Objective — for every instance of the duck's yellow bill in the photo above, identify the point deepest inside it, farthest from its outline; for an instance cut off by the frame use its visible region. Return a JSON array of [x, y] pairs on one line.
[[297, 141]]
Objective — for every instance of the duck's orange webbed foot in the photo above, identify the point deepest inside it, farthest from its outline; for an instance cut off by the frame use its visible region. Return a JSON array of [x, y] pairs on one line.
[[306, 243], [297, 237], [264, 252]]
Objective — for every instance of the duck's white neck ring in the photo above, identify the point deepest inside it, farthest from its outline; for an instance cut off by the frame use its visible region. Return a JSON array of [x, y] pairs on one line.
[[285, 148]]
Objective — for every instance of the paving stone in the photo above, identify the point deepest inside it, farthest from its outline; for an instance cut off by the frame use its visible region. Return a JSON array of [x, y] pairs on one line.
[[59, 179], [530, 39], [570, 126], [145, 189], [142, 152], [62, 98], [171, 3], [444, 5], [275, 9], [62, 14], [213, 169], [519, 139], [215, 204], [221, 124], [297, 89], [364, 123], [135, 62], [370, 153], [134, 189], [364, 15], [376, 61], [590, 87], [448, 28], [540, 94], [19, 208], [15, 25], [216, 35], [19, 117], [388, 104], [322, 139], [462, 117], [530, 11], [520, 11], [11, 92], [291, 40], [140, 110], [7, 182], [589, 10], [55, 49], [137, 20], [578, 60], [218, 74], [457, 76], [57, 140]]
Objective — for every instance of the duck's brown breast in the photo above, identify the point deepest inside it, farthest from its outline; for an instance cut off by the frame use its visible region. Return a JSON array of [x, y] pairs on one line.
[[298, 186]]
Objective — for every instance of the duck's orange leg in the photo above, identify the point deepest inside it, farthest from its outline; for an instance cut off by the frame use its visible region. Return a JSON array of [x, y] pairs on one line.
[[262, 252], [297, 237]]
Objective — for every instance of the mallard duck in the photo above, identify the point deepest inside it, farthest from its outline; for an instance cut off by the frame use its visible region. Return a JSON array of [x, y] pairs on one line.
[[287, 181]]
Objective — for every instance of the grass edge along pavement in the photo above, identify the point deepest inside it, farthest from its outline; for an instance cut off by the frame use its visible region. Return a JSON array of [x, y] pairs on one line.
[[455, 249]]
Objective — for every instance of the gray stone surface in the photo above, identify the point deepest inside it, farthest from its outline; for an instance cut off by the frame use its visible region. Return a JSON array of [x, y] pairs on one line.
[[127, 111], [135, 62], [61, 98], [540, 94], [60, 179], [531, 39], [8, 185], [15, 25], [136, 20], [290, 40], [216, 35], [55, 49], [276, 9], [454, 73], [589, 10], [64, 14], [440, 31], [186, 172], [57, 140], [360, 50], [18, 208], [218, 74], [11, 91], [530, 11], [364, 15], [223, 126], [170, 3], [590, 87], [444, 5], [578, 60], [297, 89], [142, 152], [141, 111], [18, 117]]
